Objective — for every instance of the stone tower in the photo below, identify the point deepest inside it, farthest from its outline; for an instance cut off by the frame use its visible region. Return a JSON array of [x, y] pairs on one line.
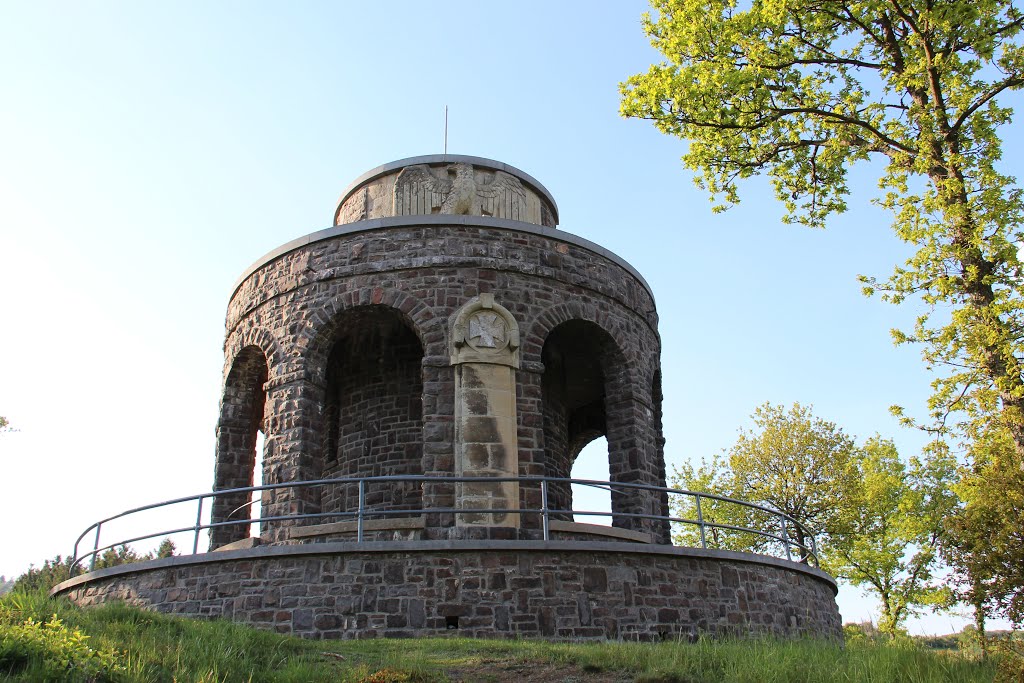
[[443, 327], [424, 374]]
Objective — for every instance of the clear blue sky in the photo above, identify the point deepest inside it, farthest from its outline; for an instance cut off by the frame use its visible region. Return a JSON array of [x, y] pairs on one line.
[[149, 152]]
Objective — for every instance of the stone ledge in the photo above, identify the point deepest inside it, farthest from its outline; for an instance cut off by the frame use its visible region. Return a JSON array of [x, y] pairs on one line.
[[391, 524], [600, 530], [241, 544]]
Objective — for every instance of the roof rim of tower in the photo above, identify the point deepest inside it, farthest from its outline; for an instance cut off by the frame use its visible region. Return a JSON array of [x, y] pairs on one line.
[[438, 220]]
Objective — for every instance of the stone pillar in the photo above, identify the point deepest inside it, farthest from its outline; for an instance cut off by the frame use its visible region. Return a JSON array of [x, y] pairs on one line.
[[530, 403], [438, 440], [485, 353], [292, 453]]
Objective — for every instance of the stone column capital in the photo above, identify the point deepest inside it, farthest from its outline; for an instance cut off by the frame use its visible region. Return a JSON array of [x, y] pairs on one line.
[[484, 331]]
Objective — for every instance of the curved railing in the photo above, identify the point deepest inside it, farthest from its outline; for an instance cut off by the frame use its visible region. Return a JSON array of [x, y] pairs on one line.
[[712, 524]]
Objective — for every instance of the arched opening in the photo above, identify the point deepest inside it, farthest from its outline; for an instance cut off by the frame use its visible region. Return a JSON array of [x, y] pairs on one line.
[[582, 368], [256, 507], [592, 463], [241, 421], [373, 411]]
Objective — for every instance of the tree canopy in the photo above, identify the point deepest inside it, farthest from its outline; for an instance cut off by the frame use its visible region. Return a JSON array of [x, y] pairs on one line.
[[803, 90], [878, 519], [791, 461], [892, 523], [984, 535]]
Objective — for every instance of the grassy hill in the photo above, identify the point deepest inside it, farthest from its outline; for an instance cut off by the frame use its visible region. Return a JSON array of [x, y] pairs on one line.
[[51, 640]]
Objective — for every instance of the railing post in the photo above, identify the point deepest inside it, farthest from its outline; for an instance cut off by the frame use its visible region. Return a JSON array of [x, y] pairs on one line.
[[199, 520], [362, 503], [95, 547], [544, 509], [785, 537], [700, 523], [814, 549]]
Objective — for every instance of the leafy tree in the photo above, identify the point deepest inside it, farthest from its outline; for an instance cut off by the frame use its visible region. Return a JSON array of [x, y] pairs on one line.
[[803, 90], [46, 577], [793, 462], [892, 524], [5, 426], [166, 548], [115, 557], [878, 520], [59, 568], [125, 554], [713, 477], [984, 536]]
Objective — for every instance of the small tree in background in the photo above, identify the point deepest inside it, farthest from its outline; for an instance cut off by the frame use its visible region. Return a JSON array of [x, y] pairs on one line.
[[59, 568], [984, 535], [166, 548], [711, 477], [892, 522], [793, 462], [46, 577], [878, 520]]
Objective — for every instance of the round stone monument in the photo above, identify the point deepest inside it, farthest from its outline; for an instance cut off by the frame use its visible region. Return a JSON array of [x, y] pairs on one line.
[[424, 374]]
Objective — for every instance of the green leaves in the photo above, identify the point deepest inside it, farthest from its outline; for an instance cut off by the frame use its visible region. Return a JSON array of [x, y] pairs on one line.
[[888, 545], [802, 91], [878, 519], [792, 462], [984, 535]]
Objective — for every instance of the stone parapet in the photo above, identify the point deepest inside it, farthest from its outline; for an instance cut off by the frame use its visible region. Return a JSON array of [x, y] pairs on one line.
[[571, 590]]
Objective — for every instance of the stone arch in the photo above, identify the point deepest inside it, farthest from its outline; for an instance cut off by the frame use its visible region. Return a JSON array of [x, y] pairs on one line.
[[256, 337], [534, 340], [241, 418], [587, 393], [370, 418], [314, 344]]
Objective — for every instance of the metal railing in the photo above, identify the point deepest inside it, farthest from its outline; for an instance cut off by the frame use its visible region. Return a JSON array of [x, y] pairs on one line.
[[785, 539]]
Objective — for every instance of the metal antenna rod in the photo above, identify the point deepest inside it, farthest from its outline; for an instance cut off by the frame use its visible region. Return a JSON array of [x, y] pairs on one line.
[[446, 129]]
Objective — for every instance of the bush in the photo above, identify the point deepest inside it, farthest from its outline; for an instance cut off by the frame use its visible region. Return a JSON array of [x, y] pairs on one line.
[[51, 651], [1010, 654]]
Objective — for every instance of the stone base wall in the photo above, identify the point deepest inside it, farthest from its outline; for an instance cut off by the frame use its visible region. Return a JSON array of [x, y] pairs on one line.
[[556, 590]]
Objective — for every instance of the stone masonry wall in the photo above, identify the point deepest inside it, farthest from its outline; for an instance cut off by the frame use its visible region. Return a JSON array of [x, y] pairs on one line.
[[555, 593]]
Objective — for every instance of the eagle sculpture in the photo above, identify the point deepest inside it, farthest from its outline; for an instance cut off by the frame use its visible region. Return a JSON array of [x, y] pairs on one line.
[[458, 189]]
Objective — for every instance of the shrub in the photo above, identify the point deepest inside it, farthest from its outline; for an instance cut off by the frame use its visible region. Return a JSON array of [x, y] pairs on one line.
[[51, 651]]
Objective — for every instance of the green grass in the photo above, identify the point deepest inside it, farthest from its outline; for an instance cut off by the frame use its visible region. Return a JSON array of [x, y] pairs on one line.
[[120, 643]]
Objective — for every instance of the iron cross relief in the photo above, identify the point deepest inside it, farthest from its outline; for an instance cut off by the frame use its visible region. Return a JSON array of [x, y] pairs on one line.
[[487, 329]]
